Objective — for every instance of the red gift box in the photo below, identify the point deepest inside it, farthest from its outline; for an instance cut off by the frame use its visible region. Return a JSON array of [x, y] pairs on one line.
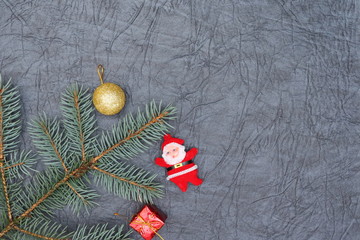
[[148, 221]]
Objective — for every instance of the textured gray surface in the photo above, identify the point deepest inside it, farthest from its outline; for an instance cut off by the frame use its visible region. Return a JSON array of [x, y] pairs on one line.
[[267, 90]]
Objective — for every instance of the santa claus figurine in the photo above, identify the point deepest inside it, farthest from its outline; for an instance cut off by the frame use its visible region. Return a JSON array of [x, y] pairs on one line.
[[179, 164]]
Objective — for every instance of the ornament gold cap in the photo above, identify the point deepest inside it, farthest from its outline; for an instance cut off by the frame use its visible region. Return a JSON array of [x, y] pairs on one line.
[[100, 72]]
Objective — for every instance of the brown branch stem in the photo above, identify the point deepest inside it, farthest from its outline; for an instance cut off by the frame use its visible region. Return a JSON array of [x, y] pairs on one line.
[[5, 189], [77, 107], [14, 165], [7, 229]]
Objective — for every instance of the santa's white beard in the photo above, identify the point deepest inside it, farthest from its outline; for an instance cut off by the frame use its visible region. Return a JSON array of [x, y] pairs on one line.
[[178, 159]]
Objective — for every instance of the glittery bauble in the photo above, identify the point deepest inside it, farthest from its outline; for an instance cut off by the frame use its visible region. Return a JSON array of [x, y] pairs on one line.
[[109, 98]]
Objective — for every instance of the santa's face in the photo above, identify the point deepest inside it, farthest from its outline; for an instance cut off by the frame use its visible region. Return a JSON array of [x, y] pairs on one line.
[[173, 153]]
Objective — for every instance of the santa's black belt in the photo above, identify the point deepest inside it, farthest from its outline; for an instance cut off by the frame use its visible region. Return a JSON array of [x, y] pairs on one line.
[[179, 165]]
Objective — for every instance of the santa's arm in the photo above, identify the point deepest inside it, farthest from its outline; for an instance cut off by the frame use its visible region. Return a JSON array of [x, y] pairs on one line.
[[161, 162], [191, 154]]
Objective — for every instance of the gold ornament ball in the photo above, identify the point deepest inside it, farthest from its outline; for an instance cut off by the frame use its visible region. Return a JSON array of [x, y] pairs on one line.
[[109, 98]]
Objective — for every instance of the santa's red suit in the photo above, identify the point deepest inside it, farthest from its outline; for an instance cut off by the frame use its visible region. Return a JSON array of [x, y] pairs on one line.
[[183, 170]]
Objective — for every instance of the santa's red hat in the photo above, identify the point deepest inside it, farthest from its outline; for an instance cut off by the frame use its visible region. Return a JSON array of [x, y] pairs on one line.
[[169, 139]]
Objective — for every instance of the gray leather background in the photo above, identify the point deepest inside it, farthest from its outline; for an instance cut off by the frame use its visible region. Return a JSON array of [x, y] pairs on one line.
[[267, 90]]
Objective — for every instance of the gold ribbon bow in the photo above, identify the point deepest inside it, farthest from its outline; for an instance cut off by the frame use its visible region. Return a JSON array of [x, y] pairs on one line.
[[143, 222]]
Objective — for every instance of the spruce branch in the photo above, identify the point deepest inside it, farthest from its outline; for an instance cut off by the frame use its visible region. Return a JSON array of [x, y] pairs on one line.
[[71, 154]]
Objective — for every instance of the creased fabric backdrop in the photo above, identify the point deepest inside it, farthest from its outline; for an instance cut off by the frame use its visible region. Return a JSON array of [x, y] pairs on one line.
[[267, 90]]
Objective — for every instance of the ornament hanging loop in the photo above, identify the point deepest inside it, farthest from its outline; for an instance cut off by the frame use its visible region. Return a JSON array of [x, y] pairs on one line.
[[100, 71]]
